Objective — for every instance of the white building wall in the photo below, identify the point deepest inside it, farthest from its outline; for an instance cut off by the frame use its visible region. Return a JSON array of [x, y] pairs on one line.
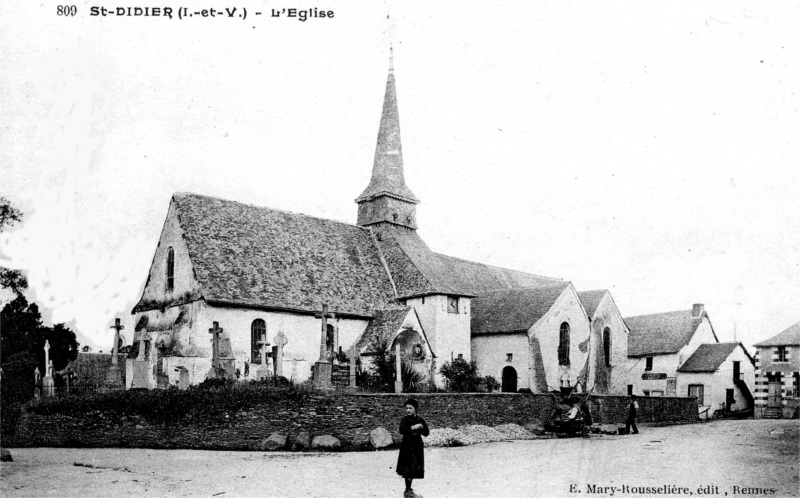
[[303, 333], [666, 363], [448, 333], [184, 281], [567, 308], [715, 384], [607, 315], [490, 352]]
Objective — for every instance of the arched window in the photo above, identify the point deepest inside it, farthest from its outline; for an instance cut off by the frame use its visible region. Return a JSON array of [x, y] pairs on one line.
[[258, 333], [170, 270], [607, 345], [563, 344]]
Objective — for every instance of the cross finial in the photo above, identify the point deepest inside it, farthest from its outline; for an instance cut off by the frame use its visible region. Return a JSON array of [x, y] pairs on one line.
[[117, 325]]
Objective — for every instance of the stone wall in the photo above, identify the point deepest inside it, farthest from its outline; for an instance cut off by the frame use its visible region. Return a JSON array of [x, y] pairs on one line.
[[349, 417]]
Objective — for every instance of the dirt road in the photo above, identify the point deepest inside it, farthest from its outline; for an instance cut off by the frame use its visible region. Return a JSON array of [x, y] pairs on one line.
[[740, 458]]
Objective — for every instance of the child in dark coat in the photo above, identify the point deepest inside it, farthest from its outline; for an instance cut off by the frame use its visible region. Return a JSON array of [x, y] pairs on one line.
[[411, 460]]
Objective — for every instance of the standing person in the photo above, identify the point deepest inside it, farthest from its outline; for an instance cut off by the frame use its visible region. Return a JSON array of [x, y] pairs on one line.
[[633, 406], [411, 460]]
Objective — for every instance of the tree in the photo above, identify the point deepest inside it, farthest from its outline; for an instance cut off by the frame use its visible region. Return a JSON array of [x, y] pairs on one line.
[[10, 279], [22, 338]]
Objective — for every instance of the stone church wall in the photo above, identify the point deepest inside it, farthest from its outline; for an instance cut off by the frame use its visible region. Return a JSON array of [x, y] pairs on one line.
[[547, 330], [347, 417]]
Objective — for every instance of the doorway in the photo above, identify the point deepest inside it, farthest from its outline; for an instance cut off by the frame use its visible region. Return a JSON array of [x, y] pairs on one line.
[[509, 380], [774, 391]]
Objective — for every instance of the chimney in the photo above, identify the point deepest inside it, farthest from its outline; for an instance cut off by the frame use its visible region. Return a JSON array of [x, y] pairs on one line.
[[697, 310]]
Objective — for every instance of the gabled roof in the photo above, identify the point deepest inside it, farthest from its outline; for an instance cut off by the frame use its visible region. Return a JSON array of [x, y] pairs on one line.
[[383, 328], [591, 300], [418, 271], [708, 357], [515, 310], [255, 256], [661, 333], [789, 337]]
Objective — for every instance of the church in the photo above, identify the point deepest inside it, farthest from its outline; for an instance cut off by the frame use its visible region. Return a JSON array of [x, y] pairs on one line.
[[246, 291]]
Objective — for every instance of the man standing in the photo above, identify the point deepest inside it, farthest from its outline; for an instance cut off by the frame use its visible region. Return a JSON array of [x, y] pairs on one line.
[[633, 406]]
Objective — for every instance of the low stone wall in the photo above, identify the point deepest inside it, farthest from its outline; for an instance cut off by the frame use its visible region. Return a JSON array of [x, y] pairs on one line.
[[349, 417]]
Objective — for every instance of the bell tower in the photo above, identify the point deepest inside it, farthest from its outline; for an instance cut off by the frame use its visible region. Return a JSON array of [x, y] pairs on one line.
[[387, 199]]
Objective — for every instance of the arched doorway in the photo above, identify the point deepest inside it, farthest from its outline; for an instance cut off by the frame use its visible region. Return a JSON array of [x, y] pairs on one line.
[[509, 380]]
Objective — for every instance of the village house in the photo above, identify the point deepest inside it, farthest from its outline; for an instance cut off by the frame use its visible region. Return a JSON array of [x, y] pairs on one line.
[[777, 360], [243, 291], [659, 344], [721, 376]]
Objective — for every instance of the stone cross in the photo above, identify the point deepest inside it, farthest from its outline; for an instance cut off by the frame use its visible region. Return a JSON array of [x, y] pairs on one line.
[[115, 350], [46, 357], [398, 383], [323, 347], [280, 342], [215, 332]]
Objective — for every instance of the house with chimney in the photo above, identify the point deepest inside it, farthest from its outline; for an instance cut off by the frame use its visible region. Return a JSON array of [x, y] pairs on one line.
[[659, 344], [777, 360], [241, 291]]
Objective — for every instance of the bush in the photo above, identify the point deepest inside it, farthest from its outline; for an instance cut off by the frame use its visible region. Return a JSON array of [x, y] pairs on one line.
[[462, 376], [491, 383]]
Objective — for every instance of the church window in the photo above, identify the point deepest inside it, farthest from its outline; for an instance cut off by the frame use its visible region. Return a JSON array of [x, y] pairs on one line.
[[452, 304], [394, 217], [781, 354], [258, 333], [170, 270], [648, 363], [607, 345], [563, 344]]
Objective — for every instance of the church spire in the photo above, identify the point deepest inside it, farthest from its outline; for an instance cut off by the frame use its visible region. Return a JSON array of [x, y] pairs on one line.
[[387, 198]]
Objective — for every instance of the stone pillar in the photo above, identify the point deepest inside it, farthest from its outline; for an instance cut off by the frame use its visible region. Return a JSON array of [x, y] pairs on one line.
[[48, 386], [398, 383], [113, 376]]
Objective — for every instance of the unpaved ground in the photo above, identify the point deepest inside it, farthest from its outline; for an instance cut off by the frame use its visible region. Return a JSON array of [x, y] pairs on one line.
[[754, 455]]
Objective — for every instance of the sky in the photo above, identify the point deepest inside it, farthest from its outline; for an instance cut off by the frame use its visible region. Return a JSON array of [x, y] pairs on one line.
[[649, 148]]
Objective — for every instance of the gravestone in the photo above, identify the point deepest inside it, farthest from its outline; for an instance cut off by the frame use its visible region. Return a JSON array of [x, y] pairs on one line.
[[280, 342], [183, 378], [141, 372], [37, 383], [221, 368]]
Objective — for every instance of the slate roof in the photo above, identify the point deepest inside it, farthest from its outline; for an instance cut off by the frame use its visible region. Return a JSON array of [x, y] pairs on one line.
[[514, 310], [92, 368], [708, 357], [387, 171], [789, 337], [381, 330], [591, 300], [261, 257], [661, 333], [418, 271]]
